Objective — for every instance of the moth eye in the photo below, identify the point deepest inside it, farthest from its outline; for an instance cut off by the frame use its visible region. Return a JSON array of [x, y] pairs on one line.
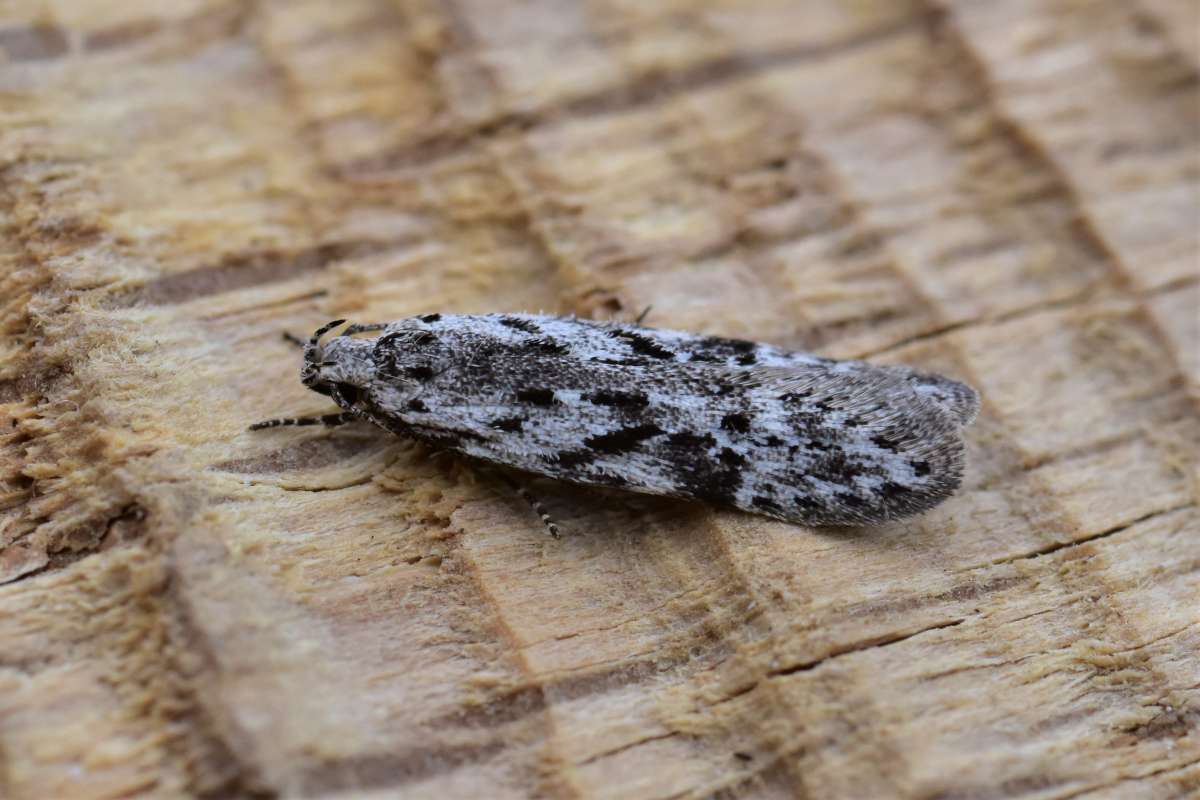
[[351, 393]]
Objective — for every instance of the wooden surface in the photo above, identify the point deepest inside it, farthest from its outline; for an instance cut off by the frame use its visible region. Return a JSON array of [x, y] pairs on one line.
[[1007, 192]]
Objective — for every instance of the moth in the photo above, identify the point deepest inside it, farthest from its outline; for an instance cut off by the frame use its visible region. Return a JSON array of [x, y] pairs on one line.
[[733, 423]]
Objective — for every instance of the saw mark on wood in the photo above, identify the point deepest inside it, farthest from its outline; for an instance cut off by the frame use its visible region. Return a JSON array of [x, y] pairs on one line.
[[638, 92], [246, 270]]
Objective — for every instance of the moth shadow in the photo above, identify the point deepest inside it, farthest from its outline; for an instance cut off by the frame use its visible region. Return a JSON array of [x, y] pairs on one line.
[[580, 508], [859, 533]]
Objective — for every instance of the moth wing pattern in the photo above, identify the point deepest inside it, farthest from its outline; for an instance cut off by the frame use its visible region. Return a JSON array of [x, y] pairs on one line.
[[732, 422], [737, 354]]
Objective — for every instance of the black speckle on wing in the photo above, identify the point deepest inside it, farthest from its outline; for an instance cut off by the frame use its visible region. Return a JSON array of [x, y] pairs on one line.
[[731, 458], [430, 318], [766, 504], [885, 442], [807, 505], [708, 479], [628, 400], [895, 493], [544, 346], [685, 440], [620, 362], [518, 324], [797, 398], [835, 467], [622, 440], [698, 472], [642, 345], [736, 422], [419, 372], [851, 500], [536, 396], [717, 349], [508, 424]]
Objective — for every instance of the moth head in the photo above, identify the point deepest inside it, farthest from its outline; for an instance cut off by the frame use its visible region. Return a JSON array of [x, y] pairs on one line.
[[343, 367], [310, 372], [335, 368]]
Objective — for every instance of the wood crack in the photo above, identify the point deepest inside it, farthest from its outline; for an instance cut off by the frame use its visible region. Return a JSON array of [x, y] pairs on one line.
[[627, 746], [866, 644], [1057, 546], [1075, 301]]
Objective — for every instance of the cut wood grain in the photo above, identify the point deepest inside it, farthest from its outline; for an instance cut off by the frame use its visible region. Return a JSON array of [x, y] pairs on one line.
[[1005, 192]]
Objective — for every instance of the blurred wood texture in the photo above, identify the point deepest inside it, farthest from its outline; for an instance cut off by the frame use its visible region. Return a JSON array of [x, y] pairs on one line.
[[1007, 192]]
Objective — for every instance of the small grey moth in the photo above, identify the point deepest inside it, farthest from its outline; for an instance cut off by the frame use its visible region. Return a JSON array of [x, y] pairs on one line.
[[734, 423]]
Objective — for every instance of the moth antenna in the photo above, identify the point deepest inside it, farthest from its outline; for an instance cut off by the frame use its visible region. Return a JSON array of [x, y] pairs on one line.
[[324, 329]]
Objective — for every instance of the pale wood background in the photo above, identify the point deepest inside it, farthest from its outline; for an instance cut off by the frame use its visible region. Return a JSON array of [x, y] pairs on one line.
[[1007, 192]]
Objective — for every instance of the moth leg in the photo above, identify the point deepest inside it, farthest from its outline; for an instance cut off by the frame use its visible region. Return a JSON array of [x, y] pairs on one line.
[[292, 338], [329, 420], [364, 328], [642, 316], [527, 496], [540, 510]]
